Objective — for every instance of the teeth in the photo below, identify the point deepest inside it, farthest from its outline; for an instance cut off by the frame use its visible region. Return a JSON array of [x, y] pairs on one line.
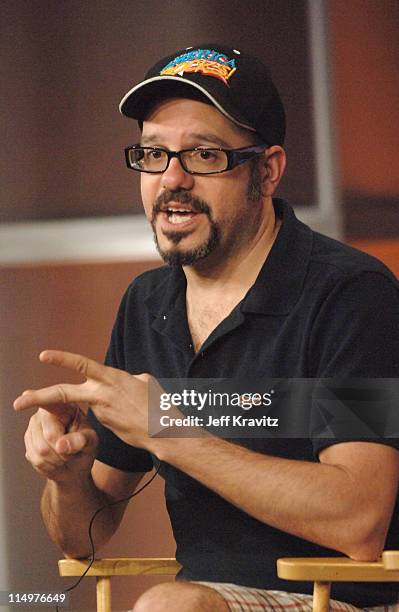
[[176, 218], [172, 210]]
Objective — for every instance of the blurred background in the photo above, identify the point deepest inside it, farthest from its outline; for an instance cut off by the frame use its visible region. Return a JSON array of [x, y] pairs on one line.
[[72, 235]]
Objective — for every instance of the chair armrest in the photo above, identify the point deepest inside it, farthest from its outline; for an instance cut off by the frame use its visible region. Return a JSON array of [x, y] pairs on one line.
[[336, 569], [119, 566]]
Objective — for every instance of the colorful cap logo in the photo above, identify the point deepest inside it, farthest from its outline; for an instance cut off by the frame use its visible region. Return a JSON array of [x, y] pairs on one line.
[[206, 61]]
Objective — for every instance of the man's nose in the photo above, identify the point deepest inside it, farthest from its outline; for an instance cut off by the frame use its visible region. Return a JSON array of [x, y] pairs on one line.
[[176, 177]]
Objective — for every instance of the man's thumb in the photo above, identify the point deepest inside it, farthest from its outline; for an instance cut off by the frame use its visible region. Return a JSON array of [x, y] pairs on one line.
[[76, 442]]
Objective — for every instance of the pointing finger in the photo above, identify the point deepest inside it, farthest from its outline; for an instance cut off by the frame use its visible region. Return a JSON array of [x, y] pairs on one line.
[[52, 398], [72, 361]]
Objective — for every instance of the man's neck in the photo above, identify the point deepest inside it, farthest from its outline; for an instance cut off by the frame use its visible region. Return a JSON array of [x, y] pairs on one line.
[[233, 275], [213, 291]]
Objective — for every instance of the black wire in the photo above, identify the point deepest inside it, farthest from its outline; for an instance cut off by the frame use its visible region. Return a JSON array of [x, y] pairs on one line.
[[92, 558]]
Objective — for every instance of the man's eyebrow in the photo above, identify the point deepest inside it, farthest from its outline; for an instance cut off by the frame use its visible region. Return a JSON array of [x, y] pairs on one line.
[[149, 140], [200, 137], [211, 138]]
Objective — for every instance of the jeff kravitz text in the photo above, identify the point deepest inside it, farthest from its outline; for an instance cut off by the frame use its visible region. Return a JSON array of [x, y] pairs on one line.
[[226, 420]]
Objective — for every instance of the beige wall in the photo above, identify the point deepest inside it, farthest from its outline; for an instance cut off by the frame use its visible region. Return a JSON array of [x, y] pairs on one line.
[[72, 307]]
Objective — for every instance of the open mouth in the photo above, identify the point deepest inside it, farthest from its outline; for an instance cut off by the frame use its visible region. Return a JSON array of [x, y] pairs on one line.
[[178, 215]]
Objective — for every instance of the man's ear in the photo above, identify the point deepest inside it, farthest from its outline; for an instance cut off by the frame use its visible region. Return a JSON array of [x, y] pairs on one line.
[[273, 169]]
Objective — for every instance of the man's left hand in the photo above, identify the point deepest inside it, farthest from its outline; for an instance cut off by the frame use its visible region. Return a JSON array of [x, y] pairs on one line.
[[118, 399]]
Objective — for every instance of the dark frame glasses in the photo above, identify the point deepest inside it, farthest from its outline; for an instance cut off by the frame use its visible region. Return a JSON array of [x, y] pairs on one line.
[[222, 160]]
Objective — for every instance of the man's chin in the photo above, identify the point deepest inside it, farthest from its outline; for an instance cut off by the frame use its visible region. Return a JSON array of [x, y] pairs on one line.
[[175, 253], [180, 256], [175, 237]]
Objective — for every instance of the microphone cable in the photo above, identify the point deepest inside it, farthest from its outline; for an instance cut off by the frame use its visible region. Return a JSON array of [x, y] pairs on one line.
[[92, 558]]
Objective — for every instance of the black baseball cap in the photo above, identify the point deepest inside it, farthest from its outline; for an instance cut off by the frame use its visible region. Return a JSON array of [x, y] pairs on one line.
[[239, 85]]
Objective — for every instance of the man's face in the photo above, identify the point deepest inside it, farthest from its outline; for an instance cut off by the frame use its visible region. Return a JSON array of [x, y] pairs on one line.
[[198, 217]]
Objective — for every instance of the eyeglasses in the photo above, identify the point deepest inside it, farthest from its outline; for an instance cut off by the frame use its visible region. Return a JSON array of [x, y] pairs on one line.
[[200, 160]]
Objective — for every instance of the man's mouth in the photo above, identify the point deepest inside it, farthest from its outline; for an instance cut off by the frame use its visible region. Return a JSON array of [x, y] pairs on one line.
[[178, 214]]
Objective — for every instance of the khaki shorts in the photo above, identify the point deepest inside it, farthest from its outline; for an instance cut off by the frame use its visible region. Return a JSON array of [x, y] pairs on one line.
[[248, 599]]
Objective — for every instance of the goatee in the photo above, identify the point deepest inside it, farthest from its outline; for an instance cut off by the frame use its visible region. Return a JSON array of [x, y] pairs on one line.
[[176, 257]]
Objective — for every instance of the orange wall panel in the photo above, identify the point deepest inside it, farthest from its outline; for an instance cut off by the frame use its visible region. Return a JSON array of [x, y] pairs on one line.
[[365, 57], [385, 250]]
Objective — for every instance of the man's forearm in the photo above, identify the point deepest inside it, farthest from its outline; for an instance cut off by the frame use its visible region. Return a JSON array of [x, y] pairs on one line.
[[319, 502], [67, 509]]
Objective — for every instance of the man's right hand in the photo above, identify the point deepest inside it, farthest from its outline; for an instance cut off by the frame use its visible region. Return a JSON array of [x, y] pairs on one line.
[[61, 444]]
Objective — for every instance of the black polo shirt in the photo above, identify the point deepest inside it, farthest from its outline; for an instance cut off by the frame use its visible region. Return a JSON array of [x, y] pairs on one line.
[[318, 309]]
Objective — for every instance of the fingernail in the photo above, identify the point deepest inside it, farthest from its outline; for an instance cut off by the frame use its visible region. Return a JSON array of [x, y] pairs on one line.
[[17, 403]]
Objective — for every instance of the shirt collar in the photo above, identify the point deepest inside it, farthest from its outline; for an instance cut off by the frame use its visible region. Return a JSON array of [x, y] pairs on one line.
[[281, 278], [169, 294]]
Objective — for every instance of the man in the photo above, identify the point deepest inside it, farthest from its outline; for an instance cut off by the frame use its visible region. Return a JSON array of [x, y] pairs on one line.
[[250, 291]]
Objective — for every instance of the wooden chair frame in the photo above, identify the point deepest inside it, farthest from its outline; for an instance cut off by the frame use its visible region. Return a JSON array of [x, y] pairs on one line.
[[104, 569], [324, 571], [319, 570]]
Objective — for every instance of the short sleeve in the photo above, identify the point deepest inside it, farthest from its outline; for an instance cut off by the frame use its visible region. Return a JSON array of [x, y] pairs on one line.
[[356, 335]]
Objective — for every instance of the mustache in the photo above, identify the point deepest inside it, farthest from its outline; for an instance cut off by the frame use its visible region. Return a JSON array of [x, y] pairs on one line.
[[183, 197]]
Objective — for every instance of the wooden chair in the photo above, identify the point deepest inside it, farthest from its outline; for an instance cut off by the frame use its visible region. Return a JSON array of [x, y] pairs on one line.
[[319, 570], [323, 571], [103, 569]]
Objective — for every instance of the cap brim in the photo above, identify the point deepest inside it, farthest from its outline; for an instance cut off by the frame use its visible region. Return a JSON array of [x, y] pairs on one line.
[[138, 101]]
